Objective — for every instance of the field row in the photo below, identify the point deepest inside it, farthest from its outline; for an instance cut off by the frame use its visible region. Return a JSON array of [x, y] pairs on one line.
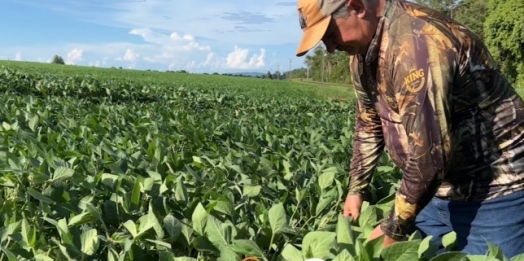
[[193, 174]]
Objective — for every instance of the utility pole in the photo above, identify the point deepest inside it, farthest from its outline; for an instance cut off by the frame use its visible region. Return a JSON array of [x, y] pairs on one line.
[[322, 81], [308, 66]]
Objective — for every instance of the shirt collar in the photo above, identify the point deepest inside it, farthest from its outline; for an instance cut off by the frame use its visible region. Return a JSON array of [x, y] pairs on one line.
[[374, 47]]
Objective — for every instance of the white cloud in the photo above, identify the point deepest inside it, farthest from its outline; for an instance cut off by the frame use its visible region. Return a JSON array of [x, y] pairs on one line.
[[199, 35], [238, 59], [130, 56], [74, 56], [18, 56]]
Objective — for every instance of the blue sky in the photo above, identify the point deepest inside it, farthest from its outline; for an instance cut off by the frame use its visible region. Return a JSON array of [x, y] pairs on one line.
[[197, 35]]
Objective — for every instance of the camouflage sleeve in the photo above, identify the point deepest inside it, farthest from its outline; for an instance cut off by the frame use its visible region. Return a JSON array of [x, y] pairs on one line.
[[422, 73], [368, 141]]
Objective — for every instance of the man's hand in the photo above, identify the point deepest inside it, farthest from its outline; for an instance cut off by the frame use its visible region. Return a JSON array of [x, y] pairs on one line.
[[377, 232], [352, 206]]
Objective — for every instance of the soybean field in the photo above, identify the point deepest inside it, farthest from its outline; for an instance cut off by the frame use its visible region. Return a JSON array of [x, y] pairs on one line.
[[109, 164]]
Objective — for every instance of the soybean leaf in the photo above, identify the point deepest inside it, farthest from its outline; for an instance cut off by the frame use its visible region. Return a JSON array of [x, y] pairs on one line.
[[62, 173], [251, 191], [448, 240], [318, 244], [290, 253], [37, 195], [345, 237], [401, 251], [450, 256], [89, 239], [199, 219], [495, 251], [344, 256], [277, 218], [518, 258], [247, 247]]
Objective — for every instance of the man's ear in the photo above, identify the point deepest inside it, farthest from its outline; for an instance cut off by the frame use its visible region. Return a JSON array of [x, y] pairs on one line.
[[358, 6]]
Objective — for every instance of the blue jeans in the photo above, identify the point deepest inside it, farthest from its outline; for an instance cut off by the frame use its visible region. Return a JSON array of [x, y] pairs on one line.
[[499, 221]]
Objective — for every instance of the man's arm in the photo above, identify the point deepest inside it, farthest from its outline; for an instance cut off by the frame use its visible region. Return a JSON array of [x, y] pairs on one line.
[[422, 76], [368, 141]]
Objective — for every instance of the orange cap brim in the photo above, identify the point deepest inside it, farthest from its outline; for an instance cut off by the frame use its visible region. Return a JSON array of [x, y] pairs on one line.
[[312, 36]]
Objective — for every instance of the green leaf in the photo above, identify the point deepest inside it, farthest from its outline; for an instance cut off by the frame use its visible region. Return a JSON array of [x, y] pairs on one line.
[[402, 251], [290, 253], [131, 227], [426, 248], [38, 196], [214, 232], [227, 254], [184, 258], [89, 239], [199, 218], [251, 191], [247, 247], [480, 258], [41, 257], [345, 237], [448, 240], [326, 178], [173, 226], [147, 221], [135, 195], [203, 244], [62, 173], [518, 258], [277, 218], [318, 244], [495, 251], [28, 233], [328, 198], [9, 254], [159, 244], [344, 255], [180, 191], [10, 229], [33, 122], [449, 256], [81, 219], [368, 217]]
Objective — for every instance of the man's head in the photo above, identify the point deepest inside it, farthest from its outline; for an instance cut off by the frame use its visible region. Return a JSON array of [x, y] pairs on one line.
[[344, 25]]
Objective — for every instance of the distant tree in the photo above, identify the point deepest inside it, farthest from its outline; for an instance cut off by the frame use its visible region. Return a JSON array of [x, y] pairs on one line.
[[472, 14], [445, 6], [269, 76], [328, 67], [504, 34], [58, 60]]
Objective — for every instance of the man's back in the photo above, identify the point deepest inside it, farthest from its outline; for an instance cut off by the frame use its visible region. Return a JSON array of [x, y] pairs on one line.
[[475, 111]]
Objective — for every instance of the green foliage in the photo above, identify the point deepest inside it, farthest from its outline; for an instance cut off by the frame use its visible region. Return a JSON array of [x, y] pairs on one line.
[[504, 33], [444, 6], [333, 68], [100, 168], [58, 60], [472, 14]]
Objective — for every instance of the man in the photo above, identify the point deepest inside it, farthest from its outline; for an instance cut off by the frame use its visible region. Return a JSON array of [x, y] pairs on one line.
[[430, 94]]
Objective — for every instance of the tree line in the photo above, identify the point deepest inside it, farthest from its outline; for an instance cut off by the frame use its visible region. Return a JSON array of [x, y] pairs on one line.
[[498, 23]]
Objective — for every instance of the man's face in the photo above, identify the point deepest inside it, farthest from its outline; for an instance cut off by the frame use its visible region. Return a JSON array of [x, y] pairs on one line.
[[353, 34]]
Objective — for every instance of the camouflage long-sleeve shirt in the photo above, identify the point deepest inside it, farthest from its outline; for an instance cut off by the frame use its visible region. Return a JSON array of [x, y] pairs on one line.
[[430, 94]]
